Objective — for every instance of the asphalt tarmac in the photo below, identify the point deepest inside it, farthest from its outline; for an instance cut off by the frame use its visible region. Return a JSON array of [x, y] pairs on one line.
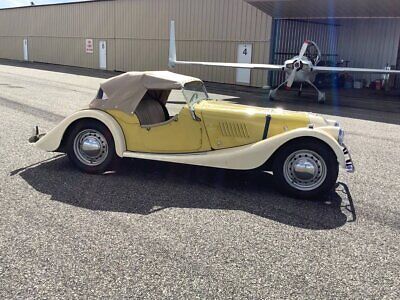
[[156, 230]]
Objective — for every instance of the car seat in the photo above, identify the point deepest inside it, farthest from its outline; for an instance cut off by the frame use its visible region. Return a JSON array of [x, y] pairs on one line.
[[151, 111]]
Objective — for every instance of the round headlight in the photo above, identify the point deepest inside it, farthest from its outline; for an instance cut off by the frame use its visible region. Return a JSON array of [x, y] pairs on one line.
[[341, 136]]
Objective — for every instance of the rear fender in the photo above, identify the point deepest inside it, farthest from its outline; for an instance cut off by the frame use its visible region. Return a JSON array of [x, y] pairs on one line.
[[52, 140]]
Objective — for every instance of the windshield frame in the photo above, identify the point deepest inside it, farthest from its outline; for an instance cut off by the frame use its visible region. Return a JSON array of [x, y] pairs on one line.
[[190, 94]]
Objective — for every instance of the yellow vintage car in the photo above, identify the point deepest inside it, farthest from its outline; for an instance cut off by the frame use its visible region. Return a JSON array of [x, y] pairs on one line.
[[129, 118]]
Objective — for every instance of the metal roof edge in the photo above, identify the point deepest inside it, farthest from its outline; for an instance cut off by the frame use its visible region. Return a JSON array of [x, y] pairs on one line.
[[52, 4]]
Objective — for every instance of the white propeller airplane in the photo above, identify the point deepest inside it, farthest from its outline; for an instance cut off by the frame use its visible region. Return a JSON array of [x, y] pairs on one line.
[[300, 68]]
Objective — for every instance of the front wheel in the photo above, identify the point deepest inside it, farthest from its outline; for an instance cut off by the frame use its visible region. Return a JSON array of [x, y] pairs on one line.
[[305, 169], [90, 147]]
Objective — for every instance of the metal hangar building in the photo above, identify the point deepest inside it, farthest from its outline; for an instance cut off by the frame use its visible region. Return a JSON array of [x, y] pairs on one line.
[[129, 35]]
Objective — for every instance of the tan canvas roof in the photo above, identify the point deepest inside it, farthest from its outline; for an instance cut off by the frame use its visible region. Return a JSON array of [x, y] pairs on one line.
[[125, 91]]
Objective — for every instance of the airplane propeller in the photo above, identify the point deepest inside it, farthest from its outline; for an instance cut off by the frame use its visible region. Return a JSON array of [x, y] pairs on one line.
[[297, 65], [303, 49], [291, 78]]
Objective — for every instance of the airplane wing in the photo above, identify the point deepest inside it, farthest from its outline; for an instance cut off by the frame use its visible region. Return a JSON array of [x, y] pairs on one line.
[[350, 70], [231, 65], [173, 61]]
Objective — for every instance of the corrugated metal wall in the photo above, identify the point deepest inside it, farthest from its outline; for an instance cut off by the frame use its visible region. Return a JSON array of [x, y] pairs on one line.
[[206, 30], [137, 34], [290, 34], [56, 34], [369, 43]]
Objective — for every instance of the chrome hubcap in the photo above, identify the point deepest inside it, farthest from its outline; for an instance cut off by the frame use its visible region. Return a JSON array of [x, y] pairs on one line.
[[304, 170], [91, 147]]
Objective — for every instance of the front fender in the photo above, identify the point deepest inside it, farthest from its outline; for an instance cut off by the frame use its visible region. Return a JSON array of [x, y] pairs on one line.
[[52, 140], [325, 134]]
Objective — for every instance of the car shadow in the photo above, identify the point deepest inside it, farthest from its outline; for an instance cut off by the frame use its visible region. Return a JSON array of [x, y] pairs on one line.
[[146, 187]]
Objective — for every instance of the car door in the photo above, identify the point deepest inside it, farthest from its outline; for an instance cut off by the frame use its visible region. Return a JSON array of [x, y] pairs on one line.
[[181, 134]]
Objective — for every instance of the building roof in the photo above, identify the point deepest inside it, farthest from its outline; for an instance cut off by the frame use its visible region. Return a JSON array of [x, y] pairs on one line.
[[300, 9], [322, 9], [53, 4]]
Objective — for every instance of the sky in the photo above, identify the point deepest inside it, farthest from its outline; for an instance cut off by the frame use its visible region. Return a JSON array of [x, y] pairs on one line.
[[16, 3]]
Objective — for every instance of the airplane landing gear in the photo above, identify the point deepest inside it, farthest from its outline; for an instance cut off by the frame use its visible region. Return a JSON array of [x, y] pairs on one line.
[[300, 90], [272, 93], [321, 95]]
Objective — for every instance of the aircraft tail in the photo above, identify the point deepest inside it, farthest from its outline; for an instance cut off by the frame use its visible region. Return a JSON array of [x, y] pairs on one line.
[[172, 46]]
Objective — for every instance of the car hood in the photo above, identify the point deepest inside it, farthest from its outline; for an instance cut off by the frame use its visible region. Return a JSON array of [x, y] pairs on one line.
[[221, 106], [229, 124]]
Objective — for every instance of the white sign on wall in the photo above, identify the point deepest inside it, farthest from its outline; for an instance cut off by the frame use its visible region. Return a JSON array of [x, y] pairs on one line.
[[244, 57], [89, 45]]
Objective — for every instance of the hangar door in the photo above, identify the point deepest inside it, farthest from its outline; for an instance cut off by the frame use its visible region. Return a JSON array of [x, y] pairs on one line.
[[288, 37], [25, 50], [103, 55], [244, 57]]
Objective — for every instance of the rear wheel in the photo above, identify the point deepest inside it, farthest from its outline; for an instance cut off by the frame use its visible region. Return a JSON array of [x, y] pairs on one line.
[[90, 147], [305, 169]]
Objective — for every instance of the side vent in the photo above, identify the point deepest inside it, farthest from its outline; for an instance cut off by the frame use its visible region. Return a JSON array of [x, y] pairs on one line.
[[233, 129]]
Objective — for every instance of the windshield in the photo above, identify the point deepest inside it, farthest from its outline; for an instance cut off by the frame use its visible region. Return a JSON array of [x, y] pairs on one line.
[[194, 92]]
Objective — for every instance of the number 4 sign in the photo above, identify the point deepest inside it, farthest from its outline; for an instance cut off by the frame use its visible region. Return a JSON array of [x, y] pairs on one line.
[[244, 57]]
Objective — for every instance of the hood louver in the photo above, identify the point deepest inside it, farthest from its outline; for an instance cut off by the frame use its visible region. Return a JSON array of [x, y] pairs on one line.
[[233, 129]]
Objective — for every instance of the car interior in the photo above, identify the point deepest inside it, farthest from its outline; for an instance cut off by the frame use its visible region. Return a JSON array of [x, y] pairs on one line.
[[151, 110]]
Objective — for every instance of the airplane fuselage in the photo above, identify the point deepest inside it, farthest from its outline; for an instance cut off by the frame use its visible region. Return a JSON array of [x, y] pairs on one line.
[[304, 66]]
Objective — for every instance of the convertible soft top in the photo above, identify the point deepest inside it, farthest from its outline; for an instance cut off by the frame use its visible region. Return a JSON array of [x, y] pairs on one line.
[[124, 92]]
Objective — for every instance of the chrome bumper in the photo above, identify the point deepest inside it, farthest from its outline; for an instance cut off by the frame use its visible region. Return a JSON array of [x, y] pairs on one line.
[[349, 162]]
